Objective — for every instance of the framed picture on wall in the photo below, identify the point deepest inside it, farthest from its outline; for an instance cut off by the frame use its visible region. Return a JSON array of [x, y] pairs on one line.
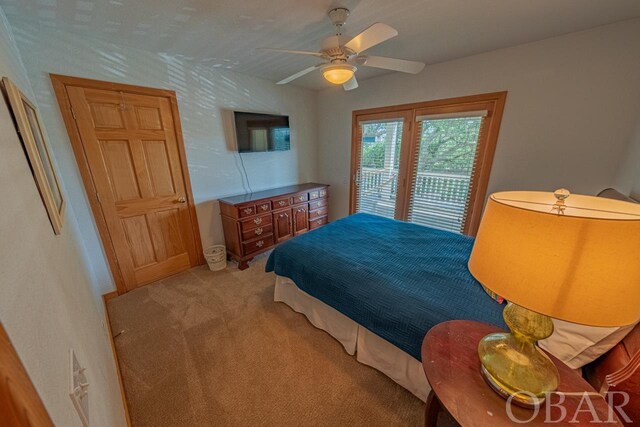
[[30, 129]]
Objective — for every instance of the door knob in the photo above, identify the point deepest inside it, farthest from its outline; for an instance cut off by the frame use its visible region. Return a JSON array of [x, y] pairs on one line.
[[182, 200]]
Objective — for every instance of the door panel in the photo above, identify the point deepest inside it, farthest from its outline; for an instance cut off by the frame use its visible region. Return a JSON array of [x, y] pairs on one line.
[[106, 116], [167, 236], [134, 159], [282, 225], [136, 229], [119, 166], [149, 118], [300, 219], [155, 153]]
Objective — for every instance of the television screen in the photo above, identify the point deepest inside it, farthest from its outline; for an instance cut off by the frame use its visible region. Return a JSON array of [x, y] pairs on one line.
[[262, 132]]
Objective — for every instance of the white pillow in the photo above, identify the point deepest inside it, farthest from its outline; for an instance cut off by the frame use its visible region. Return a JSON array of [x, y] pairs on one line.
[[576, 345]]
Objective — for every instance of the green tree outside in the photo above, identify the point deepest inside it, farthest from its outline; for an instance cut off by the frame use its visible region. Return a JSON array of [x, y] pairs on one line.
[[446, 145]]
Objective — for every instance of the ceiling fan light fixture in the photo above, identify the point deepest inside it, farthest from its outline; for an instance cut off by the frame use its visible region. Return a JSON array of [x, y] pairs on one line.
[[338, 74]]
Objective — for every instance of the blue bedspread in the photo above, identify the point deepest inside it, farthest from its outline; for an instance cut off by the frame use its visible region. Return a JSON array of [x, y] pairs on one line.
[[396, 279]]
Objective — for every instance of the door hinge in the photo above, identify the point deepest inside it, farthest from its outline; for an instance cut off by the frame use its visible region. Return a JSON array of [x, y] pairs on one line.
[[73, 113]]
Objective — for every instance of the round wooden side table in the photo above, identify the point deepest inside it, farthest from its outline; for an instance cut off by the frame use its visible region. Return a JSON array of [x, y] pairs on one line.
[[451, 364]]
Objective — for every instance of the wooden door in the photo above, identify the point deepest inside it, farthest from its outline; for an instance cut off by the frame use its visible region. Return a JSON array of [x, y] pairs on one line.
[[428, 163], [379, 162], [20, 404], [300, 221], [282, 225], [133, 152]]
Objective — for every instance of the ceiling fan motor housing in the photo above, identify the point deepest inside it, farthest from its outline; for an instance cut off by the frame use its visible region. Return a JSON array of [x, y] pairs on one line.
[[333, 46]]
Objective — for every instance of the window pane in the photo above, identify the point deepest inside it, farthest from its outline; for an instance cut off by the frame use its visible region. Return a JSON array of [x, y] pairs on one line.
[[443, 172], [377, 179]]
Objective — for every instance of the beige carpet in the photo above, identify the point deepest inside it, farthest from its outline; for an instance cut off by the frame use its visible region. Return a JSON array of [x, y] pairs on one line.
[[203, 348]]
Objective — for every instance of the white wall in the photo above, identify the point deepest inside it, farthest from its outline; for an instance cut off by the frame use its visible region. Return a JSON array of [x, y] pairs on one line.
[[203, 95], [47, 304], [628, 178], [572, 106]]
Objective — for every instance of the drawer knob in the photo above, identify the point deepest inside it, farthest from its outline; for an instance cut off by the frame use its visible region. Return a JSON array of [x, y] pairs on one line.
[[264, 207], [282, 203], [257, 221], [323, 193], [283, 215], [301, 198], [258, 231], [260, 243], [248, 211]]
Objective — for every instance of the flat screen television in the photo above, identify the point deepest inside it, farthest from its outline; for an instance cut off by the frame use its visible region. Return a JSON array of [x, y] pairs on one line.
[[262, 132]]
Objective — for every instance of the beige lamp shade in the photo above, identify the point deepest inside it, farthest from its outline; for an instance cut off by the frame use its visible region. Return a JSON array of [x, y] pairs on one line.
[[577, 260]]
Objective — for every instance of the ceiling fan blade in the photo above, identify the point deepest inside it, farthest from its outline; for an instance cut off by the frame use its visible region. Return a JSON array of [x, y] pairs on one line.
[[394, 64], [296, 52], [351, 84], [375, 34], [299, 74]]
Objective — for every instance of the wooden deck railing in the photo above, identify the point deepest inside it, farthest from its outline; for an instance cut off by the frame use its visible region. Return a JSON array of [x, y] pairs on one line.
[[441, 187]]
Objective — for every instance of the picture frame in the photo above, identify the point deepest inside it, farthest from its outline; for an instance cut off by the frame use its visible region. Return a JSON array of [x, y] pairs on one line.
[[36, 147]]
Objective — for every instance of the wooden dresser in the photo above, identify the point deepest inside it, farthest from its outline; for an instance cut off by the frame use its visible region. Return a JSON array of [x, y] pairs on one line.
[[254, 223]]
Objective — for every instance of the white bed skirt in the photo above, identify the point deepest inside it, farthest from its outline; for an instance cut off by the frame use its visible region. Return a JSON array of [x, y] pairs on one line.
[[369, 348]]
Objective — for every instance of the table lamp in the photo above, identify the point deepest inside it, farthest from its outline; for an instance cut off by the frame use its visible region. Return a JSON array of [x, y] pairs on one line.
[[571, 257]]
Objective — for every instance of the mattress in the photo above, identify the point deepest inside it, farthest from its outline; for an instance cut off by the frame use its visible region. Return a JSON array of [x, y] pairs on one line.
[[393, 278]]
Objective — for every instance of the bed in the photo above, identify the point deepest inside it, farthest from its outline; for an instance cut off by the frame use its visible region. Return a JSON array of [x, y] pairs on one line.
[[419, 278], [380, 303]]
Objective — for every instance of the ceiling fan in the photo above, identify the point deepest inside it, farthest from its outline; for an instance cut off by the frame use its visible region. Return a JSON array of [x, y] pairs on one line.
[[343, 54]]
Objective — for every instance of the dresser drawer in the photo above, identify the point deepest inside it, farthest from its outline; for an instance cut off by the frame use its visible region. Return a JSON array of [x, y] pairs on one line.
[[318, 204], [263, 207], [316, 223], [258, 244], [317, 213], [261, 230], [245, 211], [251, 223], [299, 198], [318, 194], [280, 203]]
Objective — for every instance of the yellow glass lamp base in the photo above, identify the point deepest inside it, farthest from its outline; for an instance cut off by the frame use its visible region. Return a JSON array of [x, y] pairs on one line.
[[512, 363]]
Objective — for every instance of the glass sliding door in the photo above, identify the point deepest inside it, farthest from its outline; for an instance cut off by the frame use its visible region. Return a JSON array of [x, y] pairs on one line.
[[427, 163], [444, 166], [377, 164]]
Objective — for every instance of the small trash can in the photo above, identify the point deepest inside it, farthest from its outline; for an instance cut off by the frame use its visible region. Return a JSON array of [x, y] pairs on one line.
[[216, 257]]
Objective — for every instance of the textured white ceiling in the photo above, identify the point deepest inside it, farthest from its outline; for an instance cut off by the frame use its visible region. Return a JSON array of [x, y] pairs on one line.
[[224, 33]]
